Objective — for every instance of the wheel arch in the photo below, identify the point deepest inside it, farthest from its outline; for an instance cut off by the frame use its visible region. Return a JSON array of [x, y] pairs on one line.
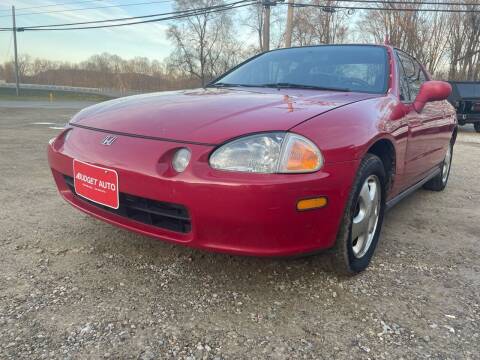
[[454, 135], [385, 150]]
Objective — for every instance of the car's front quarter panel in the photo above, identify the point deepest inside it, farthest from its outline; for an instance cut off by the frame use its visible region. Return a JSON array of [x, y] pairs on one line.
[[347, 133]]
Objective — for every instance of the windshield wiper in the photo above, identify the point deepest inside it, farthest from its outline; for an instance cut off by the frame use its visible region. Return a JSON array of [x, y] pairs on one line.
[[222, 84], [280, 85], [286, 85]]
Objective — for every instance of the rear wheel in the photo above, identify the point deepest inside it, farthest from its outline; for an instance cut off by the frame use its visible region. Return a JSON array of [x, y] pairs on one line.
[[362, 220], [439, 182], [477, 126]]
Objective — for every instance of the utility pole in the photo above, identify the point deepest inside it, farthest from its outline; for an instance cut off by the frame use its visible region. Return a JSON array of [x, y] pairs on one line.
[[266, 25], [289, 30], [14, 29]]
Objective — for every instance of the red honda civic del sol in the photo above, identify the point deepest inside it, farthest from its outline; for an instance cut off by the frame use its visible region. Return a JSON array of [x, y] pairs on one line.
[[293, 151]]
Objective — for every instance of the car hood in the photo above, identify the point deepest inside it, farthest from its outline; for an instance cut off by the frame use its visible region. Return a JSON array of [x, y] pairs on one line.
[[211, 116]]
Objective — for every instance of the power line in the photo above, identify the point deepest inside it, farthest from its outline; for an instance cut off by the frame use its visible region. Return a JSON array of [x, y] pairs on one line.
[[130, 17], [397, 2], [92, 8], [173, 15], [333, 7], [199, 11], [50, 5], [385, 2], [144, 21]]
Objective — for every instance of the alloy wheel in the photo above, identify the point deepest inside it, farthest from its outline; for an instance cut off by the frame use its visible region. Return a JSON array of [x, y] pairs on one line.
[[365, 218], [446, 164]]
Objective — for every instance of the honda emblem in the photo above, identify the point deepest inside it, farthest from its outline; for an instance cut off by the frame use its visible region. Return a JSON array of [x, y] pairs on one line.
[[109, 140]]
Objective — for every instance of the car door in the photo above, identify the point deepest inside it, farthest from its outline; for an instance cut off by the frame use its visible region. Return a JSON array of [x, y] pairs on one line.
[[423, 128]]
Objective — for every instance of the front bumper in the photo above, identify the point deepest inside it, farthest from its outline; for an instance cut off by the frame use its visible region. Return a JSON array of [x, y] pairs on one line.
[[237, 213]]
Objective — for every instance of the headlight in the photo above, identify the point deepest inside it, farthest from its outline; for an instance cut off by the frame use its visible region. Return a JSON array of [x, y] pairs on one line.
[[277, 152]]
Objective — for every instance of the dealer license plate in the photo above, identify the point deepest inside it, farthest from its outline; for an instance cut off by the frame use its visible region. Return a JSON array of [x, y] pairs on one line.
[[95, 183]]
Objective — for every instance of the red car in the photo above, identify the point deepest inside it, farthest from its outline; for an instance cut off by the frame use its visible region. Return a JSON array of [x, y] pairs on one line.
[[293, 151]]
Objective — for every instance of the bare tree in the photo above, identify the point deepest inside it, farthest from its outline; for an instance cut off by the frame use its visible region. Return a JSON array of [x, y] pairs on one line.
[[204, 43], [323, 25], [400, 28], [254, 22], [24, 65], [9, 71], [432, 42], [464, 44], [102, 71], [423, 34]]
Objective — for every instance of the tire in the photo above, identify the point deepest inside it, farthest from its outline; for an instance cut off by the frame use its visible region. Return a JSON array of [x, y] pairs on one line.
[[476, 126], [439, 182], [352, 253]]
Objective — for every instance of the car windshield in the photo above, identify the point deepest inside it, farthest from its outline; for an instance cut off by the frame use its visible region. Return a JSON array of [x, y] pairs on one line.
[[341, 68]]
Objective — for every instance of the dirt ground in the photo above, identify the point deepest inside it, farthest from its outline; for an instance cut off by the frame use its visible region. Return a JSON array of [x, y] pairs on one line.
[[73, 287]]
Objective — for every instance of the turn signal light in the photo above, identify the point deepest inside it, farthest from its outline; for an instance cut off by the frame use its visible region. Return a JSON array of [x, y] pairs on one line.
[[313, 203], [302, 157]]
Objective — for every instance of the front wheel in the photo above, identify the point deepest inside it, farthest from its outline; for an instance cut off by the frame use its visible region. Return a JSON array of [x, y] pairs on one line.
[[476, 126], [362, 220]]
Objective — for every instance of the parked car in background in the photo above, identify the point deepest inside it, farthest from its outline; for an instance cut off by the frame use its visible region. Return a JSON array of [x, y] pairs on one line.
[[293, 151], [465, 97]]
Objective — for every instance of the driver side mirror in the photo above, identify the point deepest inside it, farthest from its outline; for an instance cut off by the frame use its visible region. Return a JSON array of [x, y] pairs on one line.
[[431, 91]]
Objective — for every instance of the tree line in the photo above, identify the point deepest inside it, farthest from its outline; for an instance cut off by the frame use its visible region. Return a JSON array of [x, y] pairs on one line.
[[208, 44], [99, 71]]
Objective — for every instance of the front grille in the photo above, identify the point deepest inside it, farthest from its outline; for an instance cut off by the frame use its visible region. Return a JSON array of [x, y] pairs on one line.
[[164, 215]]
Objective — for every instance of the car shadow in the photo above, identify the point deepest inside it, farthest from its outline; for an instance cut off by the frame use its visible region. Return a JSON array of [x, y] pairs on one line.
[[223, 268]]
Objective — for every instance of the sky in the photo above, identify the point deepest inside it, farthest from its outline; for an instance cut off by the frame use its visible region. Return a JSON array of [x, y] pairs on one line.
[[147, 40]]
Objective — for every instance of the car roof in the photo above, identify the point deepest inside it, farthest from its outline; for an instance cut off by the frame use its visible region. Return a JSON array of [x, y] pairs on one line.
[[323, 45]]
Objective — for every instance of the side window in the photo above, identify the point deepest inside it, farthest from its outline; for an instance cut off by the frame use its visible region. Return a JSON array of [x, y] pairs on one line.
[[417, 79], [414, 74], [404, 92]]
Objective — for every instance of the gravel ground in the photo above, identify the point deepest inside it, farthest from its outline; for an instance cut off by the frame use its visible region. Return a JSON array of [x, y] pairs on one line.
[[73, 287]]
